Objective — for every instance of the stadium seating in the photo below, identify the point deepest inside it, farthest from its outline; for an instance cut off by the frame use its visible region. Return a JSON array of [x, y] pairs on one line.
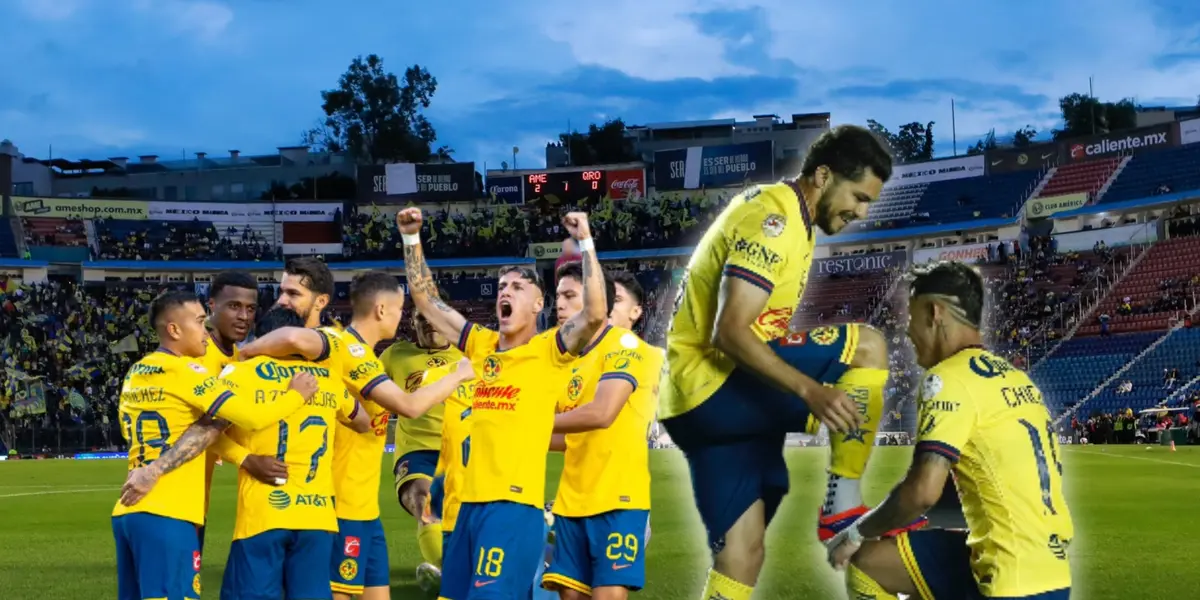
[[976, 197], [1179, 351], [1086, 177], [825, 297], [1171, 259], [896, 203], [1081, 364], [1176, 168], [8, 242], [40, 231]]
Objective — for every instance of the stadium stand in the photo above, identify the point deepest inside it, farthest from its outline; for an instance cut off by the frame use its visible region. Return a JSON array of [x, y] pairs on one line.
[[1176, 354], [1082, 363], [960, 200], [175, 240], [1084, 177], [1156, 172], [1154, 290]]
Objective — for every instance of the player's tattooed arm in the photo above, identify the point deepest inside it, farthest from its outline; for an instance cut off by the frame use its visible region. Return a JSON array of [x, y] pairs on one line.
[[424, 291], [578, 331], [913, 497], [194, 442]]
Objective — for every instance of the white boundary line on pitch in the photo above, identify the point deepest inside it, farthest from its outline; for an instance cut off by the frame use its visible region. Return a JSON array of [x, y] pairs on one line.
[[1157, 460], [45, 487], [70, 491]]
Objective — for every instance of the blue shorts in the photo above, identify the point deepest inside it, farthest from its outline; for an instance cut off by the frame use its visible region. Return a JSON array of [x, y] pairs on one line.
[[733, 442], [494, 551], [603, 550], [437, 496], [157, 557], [939, 563], [359, 557], [279, 564], [420, 464]]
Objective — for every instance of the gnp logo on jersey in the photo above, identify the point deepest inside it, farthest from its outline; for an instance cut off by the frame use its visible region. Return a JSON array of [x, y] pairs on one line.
[[757, 254], [491, 368]]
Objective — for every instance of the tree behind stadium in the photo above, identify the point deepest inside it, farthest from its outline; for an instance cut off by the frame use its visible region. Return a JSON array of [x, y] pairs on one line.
[[376, 118]]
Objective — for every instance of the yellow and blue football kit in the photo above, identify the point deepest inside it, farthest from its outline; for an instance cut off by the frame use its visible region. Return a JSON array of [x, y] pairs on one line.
[[283, 535], [215, 359], [989, 419], [730, 423], [445, 489], [602, 506], [499, 538], [158, 551], [417, 440], [360, 553]]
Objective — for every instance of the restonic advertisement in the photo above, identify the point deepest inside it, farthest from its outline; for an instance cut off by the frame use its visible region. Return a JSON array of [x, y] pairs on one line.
[[938, 170], [858, 264]]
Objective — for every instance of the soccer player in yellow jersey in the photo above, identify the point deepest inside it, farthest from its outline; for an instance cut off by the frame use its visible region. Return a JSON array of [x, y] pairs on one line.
[[499, 540], [738, 380], [164, 395], [283, 535], [982, 420], [232, 304], [602, 508], [418, 440], [360, 562]]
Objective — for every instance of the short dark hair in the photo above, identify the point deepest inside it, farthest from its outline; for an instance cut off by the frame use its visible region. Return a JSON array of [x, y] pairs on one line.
[[849, 151], [166, 302], [574, 270], [958, 282], [313, 273], [235, 279], [529, 274], [631, 285], [277, 318], [366, 286]]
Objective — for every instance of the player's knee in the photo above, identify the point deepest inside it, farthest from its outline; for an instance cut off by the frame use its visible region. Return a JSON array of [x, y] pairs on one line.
[[872, 350], [569, 594], [741, 559]]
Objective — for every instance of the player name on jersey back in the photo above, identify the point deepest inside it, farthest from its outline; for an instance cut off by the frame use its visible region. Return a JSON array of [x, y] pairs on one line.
[[764, 237]]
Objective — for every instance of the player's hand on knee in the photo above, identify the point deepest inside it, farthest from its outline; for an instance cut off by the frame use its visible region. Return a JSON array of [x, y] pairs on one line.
[[266, 469], [304, 383], [834, 408]]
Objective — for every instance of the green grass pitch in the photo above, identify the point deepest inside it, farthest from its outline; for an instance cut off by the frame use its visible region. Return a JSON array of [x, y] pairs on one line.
[[1135, 513]]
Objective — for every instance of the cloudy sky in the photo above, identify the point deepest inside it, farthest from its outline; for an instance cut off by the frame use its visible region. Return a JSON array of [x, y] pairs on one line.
[[99, 78]]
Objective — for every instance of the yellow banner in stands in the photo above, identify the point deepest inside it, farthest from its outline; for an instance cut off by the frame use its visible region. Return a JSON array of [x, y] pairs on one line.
[[545, 250], [1038, 208], [81, 208]]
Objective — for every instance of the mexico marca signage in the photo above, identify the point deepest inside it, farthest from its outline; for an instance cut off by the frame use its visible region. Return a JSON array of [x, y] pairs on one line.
[[938, 170]]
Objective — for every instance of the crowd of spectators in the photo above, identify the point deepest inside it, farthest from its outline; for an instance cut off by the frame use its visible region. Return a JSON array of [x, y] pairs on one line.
[[180, 240]]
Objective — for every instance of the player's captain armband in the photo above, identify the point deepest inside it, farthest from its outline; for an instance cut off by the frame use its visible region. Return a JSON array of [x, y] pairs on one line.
[[255, 411], [946, 416], [757, 249]]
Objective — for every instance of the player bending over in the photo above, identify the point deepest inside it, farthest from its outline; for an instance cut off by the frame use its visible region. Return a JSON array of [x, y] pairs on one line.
[[738, 380], [984, 420], [418, 440], [283, 536], [232, 305], [167, 399], [359, 566], [499, 540], [602, 508]]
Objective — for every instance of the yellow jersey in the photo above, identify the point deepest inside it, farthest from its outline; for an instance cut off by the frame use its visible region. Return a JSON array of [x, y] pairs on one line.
[[164, 394], [356, 456], [765, 237], [987, 417], [609, 469], [452, 459], [407, 362], [215, 359], [304, 441], [512, 415]]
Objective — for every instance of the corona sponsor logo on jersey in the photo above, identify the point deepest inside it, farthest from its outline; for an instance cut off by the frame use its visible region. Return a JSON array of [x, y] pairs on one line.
[[989, 367], [140, 369], [825, 336], [491, 368], [273, 371]]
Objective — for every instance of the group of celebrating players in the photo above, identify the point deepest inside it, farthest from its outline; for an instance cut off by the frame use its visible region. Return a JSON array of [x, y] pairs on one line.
[[303, 411]]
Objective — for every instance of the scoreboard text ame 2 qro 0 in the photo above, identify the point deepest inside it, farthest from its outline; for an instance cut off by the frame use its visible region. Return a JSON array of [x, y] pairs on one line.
[[569, 187]]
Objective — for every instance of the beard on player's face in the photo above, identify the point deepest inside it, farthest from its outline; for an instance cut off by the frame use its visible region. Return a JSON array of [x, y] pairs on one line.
[[829, 218]]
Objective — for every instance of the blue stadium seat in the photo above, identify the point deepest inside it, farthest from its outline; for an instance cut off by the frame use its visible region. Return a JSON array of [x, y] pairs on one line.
[[1146, 173], [1179, 351], [8, 243], [977, 197], [1081, 364]]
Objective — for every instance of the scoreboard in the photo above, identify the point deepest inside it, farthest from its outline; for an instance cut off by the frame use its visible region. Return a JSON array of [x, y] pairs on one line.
[[567, 187]]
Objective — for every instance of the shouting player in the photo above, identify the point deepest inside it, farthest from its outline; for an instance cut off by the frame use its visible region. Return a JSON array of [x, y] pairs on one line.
[[232, 304], [418, 440], [602, 507], [498, 544], [283, 536], [983, 420], [360, 562], [738, 380], [164, 396]]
